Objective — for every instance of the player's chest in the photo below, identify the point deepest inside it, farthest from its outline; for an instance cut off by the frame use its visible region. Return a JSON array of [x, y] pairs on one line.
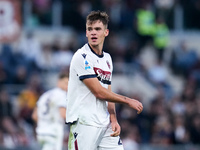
[[102, 68]]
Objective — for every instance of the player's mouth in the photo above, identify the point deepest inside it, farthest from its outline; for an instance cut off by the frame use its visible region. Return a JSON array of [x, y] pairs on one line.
[[94, 39]]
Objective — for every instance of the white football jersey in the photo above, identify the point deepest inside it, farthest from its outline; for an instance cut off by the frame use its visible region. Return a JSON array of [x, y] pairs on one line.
[[82, 104], [49, 119]]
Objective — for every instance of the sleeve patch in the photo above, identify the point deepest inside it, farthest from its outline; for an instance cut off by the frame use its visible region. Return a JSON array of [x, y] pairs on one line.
[[87, 66]]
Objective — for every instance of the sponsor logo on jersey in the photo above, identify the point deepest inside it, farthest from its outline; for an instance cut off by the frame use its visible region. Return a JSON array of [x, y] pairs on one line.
[[84, 55], [103, 76], [87, 66]]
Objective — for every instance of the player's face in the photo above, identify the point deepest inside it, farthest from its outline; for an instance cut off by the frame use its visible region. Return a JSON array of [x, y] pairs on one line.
[[64, 83], [96, 33]]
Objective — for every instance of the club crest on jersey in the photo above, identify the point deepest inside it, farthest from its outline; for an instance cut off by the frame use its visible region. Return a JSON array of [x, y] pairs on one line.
[[87, 66], [108, 64]]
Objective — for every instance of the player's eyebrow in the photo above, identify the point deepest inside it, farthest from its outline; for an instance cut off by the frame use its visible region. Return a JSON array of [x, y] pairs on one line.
[[97, 28]]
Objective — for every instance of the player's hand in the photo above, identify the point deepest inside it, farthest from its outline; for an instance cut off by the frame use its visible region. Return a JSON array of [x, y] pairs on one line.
[[115, 128], [135, 104]]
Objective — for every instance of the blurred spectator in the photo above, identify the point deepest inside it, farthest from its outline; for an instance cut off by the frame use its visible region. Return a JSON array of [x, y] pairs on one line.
[[6, 55], [160, 38], [28, 97], [181, 134], [195, 129], [42, 10], [1, 138], [191, 13], [19, 61], [145, 23], [44, 60], [131, 54], [6, 62], [194, 75], [164, 9], [197, 100], [72, 7], [62, 57], [128, 114], [6, 107], [84, 7], [188, 93], [56, 43], [4, 77], [9, 124], [177, 105], [130, 140], [183, 59], [30, 48], [20, 76], [131, 57], [162, 131], [114, 8], [190, 112], [157, 75]]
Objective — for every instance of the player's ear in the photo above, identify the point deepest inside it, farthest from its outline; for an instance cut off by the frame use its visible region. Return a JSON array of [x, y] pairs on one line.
[[86, 34], [106, 32]]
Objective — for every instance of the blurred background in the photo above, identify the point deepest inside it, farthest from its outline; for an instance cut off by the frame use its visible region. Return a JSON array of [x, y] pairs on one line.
[[155, 47]]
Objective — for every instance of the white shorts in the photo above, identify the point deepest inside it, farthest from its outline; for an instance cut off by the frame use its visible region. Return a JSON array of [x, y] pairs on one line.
[[84, 137], [48, 142]]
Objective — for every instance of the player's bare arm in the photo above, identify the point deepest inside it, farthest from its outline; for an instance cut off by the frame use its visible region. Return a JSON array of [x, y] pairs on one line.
[[34, 114], [113, 119], [62, 111], [104, 94]]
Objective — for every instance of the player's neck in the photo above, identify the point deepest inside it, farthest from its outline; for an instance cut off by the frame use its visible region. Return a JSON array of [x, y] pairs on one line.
[[97, 49]]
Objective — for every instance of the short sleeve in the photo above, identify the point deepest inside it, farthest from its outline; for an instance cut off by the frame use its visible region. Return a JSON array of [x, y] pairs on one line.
[[62, 100], [83, 66]]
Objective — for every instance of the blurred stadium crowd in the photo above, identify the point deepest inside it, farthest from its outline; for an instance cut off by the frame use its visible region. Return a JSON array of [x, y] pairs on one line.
[[136, 26]]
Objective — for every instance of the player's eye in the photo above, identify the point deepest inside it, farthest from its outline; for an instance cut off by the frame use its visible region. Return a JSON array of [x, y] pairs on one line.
[[89, 29]]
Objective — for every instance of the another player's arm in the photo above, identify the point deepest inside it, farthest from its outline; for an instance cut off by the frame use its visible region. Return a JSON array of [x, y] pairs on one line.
[[104, 94], [113, 118], [34, 115], [62, 111]]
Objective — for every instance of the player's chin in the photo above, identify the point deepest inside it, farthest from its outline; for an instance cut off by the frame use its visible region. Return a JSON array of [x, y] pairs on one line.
[[93, 43]]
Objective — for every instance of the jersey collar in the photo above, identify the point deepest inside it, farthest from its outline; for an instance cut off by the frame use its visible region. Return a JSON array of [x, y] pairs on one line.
[[100, 56]]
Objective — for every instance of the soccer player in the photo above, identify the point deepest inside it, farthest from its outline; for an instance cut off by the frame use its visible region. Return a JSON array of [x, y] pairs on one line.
[[91, 103], [50, 115]]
